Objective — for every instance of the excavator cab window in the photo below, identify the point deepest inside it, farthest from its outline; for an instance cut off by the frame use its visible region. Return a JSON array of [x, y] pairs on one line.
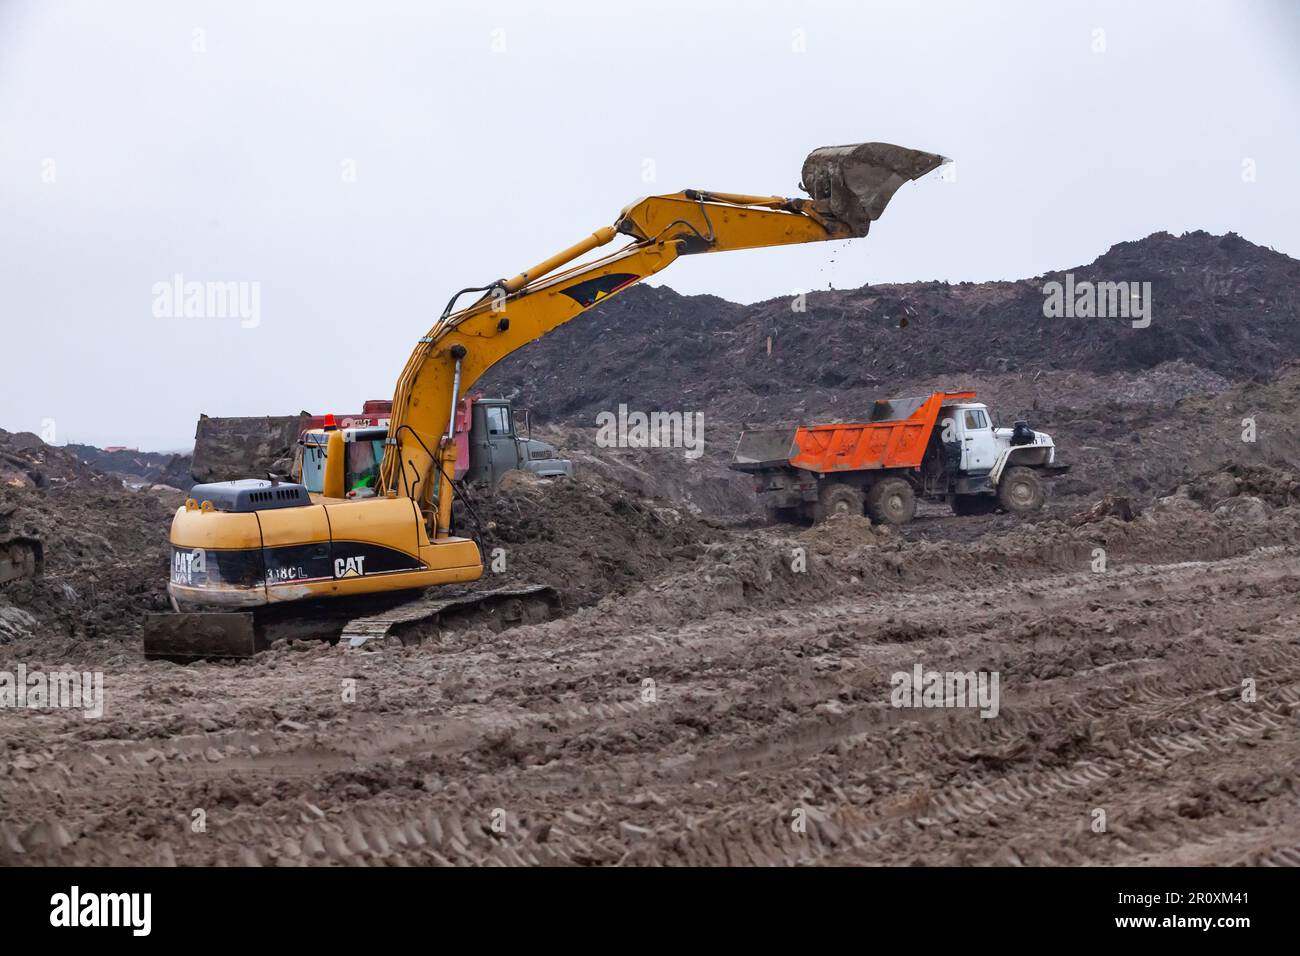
[[313, 468], [363, 456], [362, 471]]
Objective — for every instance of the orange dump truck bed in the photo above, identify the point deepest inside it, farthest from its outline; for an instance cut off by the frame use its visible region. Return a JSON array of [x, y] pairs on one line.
[[896, 437]]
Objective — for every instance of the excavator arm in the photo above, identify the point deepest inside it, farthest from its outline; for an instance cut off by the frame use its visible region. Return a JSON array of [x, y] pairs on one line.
[[849, 188]]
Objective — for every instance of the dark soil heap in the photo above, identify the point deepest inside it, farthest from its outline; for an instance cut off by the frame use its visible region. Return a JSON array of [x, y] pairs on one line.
[[1220, 303]]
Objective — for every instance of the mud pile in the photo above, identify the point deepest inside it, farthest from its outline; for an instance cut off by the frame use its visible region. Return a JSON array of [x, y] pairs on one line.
[[1219, 303], [1274, 486], [848, 557], [1144, 449], [27, 462], [701, 483], [588, 537], [106, 562], [147, 467]]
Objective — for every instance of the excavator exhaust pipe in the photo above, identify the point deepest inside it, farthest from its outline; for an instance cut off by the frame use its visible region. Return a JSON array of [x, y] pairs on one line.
[[856, 182]]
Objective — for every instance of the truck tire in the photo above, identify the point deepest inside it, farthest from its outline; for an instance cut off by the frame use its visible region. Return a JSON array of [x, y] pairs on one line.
[[966, 505], [836, 497], [891, 501], [1020, 492]]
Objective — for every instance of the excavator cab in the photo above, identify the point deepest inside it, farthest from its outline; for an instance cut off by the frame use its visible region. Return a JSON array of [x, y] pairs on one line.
[[362, 456], [342, 463]]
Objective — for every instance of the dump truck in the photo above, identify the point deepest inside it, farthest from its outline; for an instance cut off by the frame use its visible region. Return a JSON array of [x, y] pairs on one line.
[[251, 553], [938, 447]]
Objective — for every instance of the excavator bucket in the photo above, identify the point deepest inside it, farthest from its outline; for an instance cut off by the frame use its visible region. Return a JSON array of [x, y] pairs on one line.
[[858, 181], [195, 636]]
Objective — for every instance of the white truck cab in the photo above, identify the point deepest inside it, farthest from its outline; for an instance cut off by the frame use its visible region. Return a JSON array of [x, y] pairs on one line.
[[971, 427], [988, 450]]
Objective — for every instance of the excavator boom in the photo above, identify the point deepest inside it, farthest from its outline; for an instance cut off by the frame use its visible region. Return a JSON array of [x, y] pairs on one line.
[[849, 188]]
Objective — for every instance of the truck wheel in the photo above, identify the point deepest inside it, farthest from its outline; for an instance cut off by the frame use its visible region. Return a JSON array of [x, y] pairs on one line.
[[1020, 492], [891, 502], [966, 505], [837, 498]]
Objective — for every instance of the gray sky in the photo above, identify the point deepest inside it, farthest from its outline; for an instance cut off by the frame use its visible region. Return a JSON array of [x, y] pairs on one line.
[[362, 160]]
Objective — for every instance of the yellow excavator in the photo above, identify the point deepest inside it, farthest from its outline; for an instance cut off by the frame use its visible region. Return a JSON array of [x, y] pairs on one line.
[[340, 552]]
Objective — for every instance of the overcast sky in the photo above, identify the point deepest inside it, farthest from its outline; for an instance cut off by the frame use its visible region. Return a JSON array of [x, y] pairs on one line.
[[362, 160]]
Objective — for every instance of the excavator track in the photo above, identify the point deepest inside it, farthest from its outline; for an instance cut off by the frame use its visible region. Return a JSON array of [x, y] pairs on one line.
[[185, 636]]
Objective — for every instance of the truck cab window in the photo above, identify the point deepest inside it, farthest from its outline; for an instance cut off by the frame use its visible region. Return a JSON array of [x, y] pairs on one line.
[[498, 419], [976, 419]]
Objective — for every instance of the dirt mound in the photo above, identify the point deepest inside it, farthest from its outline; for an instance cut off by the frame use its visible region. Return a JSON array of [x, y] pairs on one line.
[[745, 573], [587, 537], [1110, 506], [27, 462], [139, 466], [106, 560], [1146, 448], [653, 348], [701, 485], [841, 531], [1274, 485]]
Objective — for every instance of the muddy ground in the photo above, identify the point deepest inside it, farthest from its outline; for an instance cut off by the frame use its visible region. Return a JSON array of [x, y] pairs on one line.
[[713, 690], [727, 699]]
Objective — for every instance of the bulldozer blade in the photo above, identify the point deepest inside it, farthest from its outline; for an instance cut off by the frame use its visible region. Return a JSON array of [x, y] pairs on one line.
[[194, 636], [858, 181]]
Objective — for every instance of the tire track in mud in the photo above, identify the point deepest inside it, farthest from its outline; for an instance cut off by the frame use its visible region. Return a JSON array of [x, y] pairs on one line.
[[783, 709]]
